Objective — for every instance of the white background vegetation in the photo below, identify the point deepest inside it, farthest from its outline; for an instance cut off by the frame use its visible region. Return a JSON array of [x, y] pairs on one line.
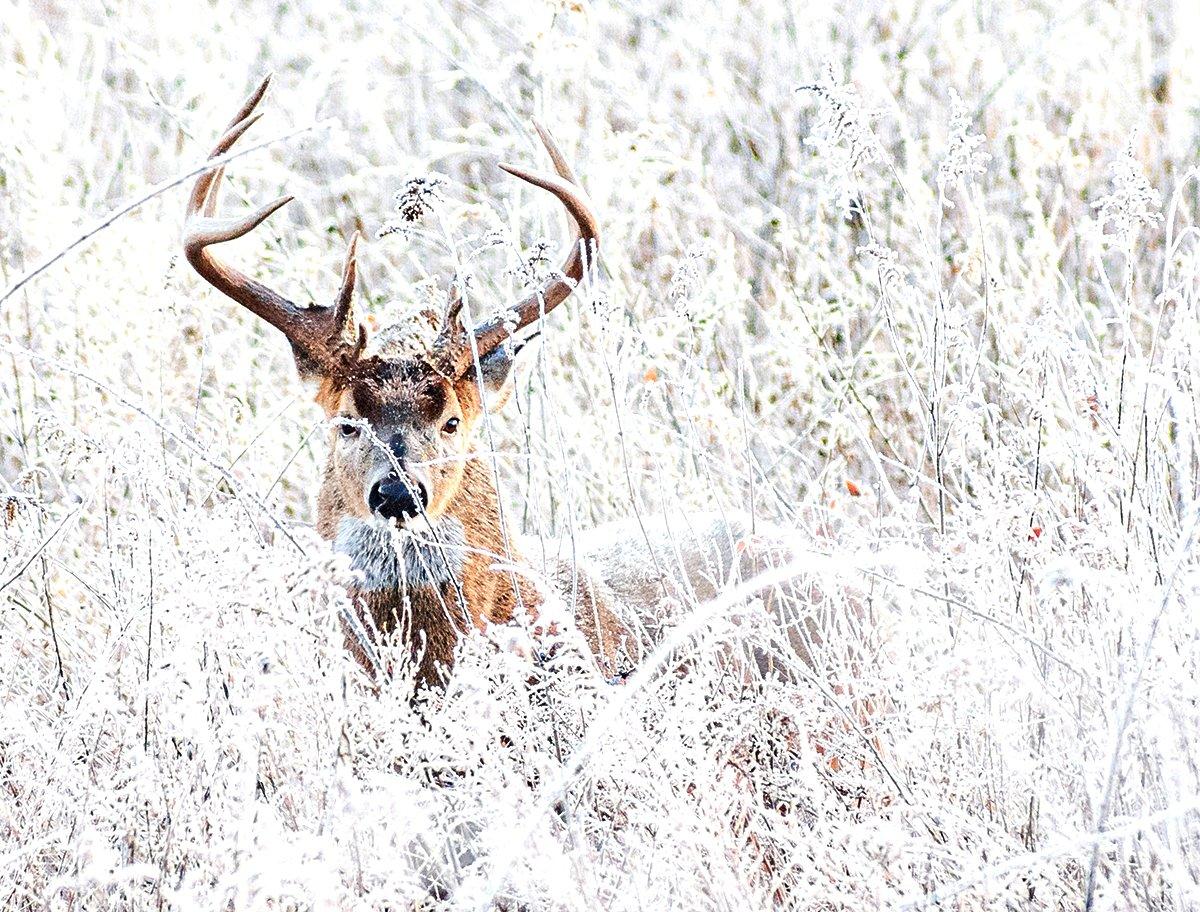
[[915, 280]]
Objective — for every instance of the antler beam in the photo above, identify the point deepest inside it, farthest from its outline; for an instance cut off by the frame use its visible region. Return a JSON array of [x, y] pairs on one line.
[[453, 346], [327, 337]]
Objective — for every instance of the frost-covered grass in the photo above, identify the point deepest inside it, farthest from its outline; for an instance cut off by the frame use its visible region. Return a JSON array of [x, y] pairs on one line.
[[915, 280]]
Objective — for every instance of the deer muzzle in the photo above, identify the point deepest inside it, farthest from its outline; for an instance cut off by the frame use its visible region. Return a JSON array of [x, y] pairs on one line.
[[398, 497]]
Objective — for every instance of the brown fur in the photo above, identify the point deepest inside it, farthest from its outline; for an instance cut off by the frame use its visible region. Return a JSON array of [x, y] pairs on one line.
[[409, 399]]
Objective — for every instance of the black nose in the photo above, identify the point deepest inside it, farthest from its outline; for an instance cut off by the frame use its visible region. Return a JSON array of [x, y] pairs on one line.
[[398, 498]]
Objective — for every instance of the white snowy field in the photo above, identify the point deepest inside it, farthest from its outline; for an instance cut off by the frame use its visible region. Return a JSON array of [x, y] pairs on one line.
[[916, 281]]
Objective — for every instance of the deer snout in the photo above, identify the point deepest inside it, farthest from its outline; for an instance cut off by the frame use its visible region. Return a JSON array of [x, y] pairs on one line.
[[394, 497]]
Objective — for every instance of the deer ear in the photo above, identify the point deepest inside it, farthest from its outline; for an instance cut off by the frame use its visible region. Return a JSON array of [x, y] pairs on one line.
[[496, 372]]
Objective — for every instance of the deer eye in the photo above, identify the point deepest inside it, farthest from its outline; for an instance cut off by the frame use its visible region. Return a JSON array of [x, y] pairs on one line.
[[348, 429], [450, 426]]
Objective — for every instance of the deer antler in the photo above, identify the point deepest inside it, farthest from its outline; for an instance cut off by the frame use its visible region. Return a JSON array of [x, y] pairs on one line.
[[452, 349], [326, 339]]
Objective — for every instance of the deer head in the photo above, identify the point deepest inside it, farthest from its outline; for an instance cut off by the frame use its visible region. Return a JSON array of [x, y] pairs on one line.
[[401, 429]]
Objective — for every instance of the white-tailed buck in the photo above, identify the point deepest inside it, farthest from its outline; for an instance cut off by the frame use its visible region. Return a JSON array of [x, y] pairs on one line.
[[402, 450]]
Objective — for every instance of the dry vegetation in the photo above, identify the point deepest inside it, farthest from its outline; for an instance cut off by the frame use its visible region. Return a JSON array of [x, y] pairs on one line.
[[917, 280]]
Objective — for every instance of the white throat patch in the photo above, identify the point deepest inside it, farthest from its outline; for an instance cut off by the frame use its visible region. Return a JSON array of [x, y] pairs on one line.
[[385, 557]]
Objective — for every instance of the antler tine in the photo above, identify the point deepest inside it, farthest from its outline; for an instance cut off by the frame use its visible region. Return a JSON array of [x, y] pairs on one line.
[[214, 194], [316, 333], [345, 298], [343, 307], [209, 183], [556, 157], [217, 231], [250, 103], [585, 234]]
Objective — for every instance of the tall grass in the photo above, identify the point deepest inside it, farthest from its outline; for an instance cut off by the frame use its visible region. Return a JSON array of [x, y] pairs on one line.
[[916, 282]]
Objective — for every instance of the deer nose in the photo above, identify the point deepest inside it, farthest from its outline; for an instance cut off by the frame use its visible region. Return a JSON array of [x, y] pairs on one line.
[[398, 498]]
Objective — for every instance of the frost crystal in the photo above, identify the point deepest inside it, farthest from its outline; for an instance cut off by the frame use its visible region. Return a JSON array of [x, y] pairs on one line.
[[418, 197], [965, 156], [842, 122], [891, 273], [686, 282], [1133, 203], [533, 268]]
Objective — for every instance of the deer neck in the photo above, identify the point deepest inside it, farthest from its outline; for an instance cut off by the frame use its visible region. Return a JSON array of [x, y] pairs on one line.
[[432, 582]]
